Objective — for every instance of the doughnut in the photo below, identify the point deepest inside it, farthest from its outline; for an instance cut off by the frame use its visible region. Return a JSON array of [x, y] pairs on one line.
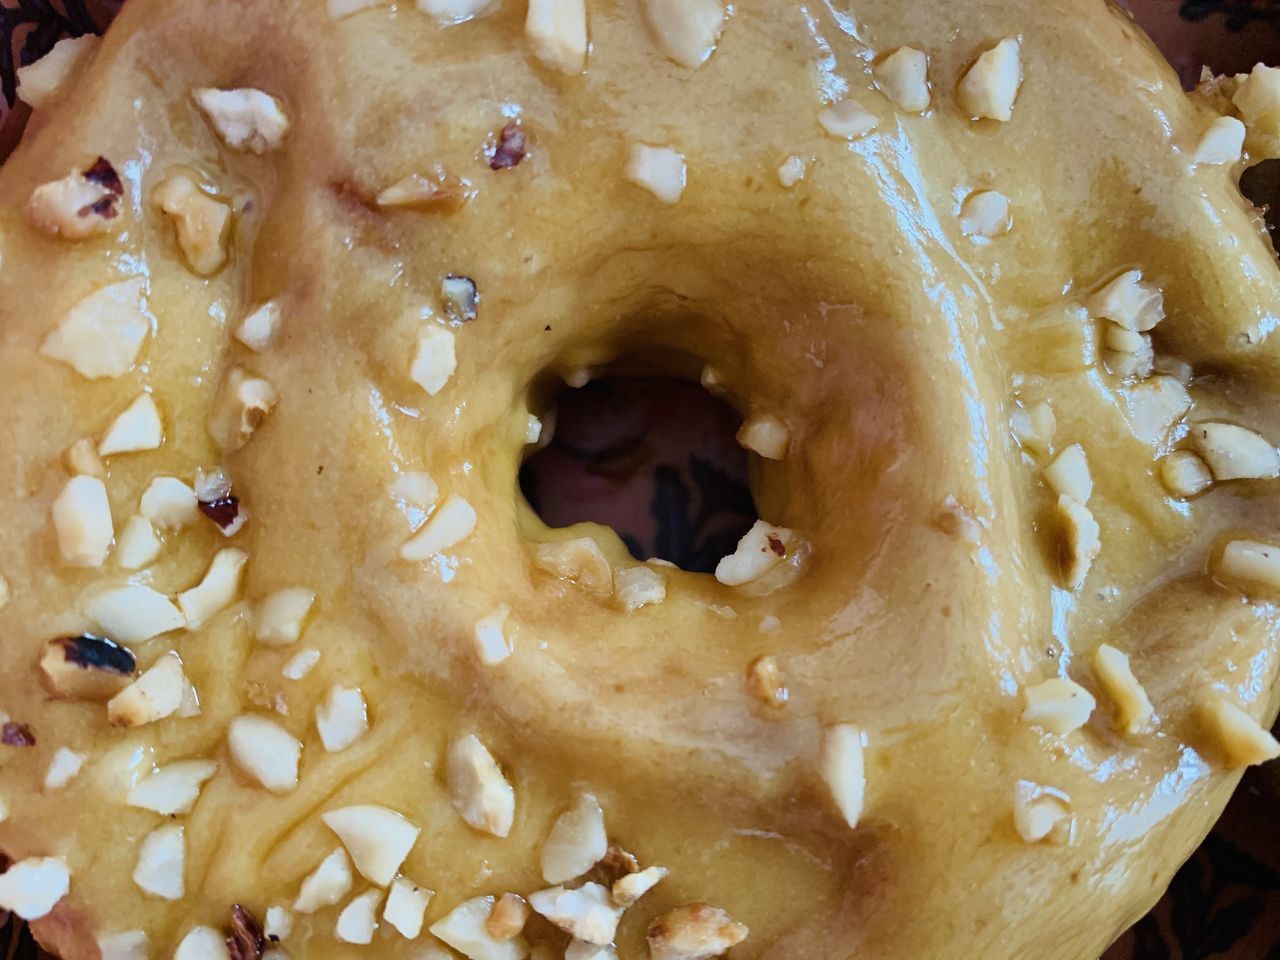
[[288, 291]]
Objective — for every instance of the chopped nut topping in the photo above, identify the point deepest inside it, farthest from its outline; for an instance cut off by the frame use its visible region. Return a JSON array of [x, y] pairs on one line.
[[1240, 739], [1134, 364], [137, 428], [478, 790], [764, 681], [712, 380], [557, 31], [278, 924], [359, 918], [465, 929], [202, 943], [989, 88], [100, 337], [172, 789], [200, 222], [6, 593], [42, 82], [435, 358], [217, 591], [1258, 98], [985, 214], [617, 863], [576, 842], [436, 191], [686, 30], [757, 553], [1129, 302], [82, 204], [86, 668], [587, 913], [280, 616], [81, 459], [1235, 453], [1080, 544], [126, 945], [326, 885], [169, 503], [1221, 143], [82, 518], [157, 694], [1124, 340], [1069, 475], [1251, 562], [848, 120], [1153, 407], [1133, 709], [246, 941], [510, 148], [31, 888], [226, 513], [790, 172], [508, 917], [258, 329], [581, 950], [453, 521], [1184, 474], [492, 646], [265, 751], [63, 768], [301, 664], [903, 77], [459, 297], [766, 435], [1041, 813], [579, 560], [14, 734], [660, 170], [697, 931], [377, 838], [415, 489], [1034, 427], [958, 522], [342, 718], [630, 888], [452, 11], [843, 769], [1058, 705], [133, 614], [406, 906], [161, 862], [637, 587], [243, 402], [245, 119], [532, 429]]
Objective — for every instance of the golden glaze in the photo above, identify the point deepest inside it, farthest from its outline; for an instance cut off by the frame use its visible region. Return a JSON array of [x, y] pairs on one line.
[[850, 305]]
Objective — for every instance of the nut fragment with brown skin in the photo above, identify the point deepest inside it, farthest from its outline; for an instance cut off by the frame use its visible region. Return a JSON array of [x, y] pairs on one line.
[[246, 941], [507, 918], [580, 561], [510, 147], [200, 222], [765, 682], [86, 668], [697, 931], [82, 204], [155, 695], [15, 734], [243, 402]]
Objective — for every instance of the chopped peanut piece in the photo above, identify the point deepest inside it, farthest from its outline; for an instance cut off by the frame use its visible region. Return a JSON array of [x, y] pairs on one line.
[[958, 522], [245, 119], [586, 913], [557, 31], [265, 751], [686, 30], [507, 918], [844, 771], [848, 120], [32, 888], [125, 945], [43, 81], [1123, 340], [82, 204], [406, 906], [1041, 813], [155, 695], [359, 919], [766, 435], [479, 792], [492, 645], [1235, 453], [1221, 143], [1258, 99], [200, 221], [1133, 709], [453, 521], [465, 928], [1034, 427], [100, 337], [697, 931], [81, 459], [903, 77], [82, 519], [169, 503], [243, 403], [300, 664], [761, 549], [1069, 476], [258, 330], [989, 88], [162, 862], [579, 560], [136, 429], [1058, 705], [133, 613], [1240, 739], [63, 768], [327, 884], [202, 943], [435, 358], [631, 887], [637, 587], [764, 681], [1184, 474], [660, 170], [217, 590], [1081, 542], [1129, 302], [1251, 562], [790, 172], [280, 616], [342, 718], [277, 924], [985, 214], [576, 843], [172, 789]]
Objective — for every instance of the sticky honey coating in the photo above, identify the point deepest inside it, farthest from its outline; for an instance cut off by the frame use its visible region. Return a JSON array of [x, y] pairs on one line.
[[902, 353]]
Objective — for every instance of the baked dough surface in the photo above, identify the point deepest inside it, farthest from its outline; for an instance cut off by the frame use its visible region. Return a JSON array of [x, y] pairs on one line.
[[852, 306]]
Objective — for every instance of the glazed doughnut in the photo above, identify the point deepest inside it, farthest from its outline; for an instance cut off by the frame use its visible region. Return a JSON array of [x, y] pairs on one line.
[[286, 291]]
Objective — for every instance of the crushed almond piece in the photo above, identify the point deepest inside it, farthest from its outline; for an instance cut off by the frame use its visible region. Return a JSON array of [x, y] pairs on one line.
[[1250, 562], [136, 429], [200, 222], [1133, 710], [82, 520], [86, 668], [1068, 475], [492, 645], [202, 943], [81, 459], [341, 718], [764, 681], [465, 929], [507, 918], [1235, 453], [31, 888], [660, 170], [697, 931], [161, 862], [434, 358], [1058, 705], [1240, 739], [580, 561], [327, 884], [790, 172], [687, 31], [766, 435], [216, 591], [378, 839], [1221, 143], [640, 586], [760, 549], [451, 523], [300, 664], [258, 329], [630, 888], [477, 788], [172, 789], [843, 769], [577, 841], [158, 693], [42, 82], [1081, 541], [459, 297], [1034, 427], [406, 906], [82, 204], [265, 751], [848, 120], [359, 919], [245, 119], [1184, 474], [557, 31], [985, 214], [1041, 813], [101, 336], [586, 913], [988, 89], [1129, 302], [903, 77], [243, 403], [63, 768], [510, 147]]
